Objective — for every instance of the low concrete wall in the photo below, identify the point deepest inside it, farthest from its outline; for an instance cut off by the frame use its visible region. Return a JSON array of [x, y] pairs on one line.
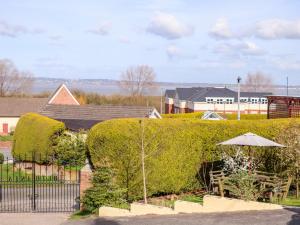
[[219, 204], [188, 207], [144, 209], [211, 204], [113, 212]]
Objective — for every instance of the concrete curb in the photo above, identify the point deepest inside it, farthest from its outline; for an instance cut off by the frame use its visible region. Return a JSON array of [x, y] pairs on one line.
[[211, 204]]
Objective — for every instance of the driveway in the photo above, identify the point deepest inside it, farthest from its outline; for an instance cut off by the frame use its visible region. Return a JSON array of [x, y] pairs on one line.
[[276, 217], [33, 218]]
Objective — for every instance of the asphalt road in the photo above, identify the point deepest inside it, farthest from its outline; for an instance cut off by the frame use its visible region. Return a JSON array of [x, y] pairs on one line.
[[275, 217]]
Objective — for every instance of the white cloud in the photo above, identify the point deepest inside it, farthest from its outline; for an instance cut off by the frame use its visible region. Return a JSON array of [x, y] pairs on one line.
[[244, 48], [221, 29], [124, 40], [55, 37], [250, 48], [266, 29], [11, 30], [287, 64], [168, 26], [103, 29], [173, 51], [278, 29], [236, 64]]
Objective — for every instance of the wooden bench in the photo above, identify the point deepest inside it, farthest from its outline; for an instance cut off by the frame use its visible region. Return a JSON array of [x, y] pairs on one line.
[[217, 178]]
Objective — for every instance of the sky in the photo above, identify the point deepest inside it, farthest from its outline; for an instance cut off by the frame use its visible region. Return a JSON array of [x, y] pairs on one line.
[[183, 40]]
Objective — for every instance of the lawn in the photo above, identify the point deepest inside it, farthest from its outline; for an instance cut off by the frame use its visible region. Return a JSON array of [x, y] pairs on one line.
[[167, 202], [291, 201], [16, 175], [6, 138]]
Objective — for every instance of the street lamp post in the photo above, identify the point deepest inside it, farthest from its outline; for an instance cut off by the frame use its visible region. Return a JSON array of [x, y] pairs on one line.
[[161, 100], [239, 97]]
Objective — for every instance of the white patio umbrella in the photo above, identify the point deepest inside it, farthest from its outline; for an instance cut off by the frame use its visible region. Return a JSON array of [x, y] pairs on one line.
[[250, 139]]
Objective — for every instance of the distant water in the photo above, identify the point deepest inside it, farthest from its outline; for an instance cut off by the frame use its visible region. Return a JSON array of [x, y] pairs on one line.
[[108, 87]]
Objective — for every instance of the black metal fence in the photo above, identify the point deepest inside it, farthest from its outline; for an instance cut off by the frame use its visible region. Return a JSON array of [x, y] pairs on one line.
[[32, 186]]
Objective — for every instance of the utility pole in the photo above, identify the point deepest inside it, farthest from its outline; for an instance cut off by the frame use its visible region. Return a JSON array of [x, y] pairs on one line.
[[287, 86], [239, 97], [142, 127], [161, 100]]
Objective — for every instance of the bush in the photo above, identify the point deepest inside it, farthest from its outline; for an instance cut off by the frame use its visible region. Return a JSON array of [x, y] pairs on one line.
[[104, 192], [175, 149], [1, 158], [36, 134], [243, 185], [71, 149], [198, 115]]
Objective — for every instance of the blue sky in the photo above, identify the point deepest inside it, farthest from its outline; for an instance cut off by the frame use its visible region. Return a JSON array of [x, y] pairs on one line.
[[183, 40]]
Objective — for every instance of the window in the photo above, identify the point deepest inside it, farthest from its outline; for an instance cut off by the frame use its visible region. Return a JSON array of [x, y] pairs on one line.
[[229, 101], [264, 101], [209, 100], [244, 100], [254, 100], [219, 101]]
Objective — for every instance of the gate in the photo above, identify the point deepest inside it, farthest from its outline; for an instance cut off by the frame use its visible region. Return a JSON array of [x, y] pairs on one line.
[[39, 186]]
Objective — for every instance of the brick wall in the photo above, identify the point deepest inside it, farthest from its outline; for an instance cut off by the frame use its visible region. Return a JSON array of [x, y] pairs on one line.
[[169, 108], [85, 180], [63, 97], [6, 144]]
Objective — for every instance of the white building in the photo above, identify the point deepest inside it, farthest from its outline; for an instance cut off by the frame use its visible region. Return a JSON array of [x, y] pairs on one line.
[[222, 100]]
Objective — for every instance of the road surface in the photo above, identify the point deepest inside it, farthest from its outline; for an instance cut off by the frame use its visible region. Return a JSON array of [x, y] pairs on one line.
[[275, 217]]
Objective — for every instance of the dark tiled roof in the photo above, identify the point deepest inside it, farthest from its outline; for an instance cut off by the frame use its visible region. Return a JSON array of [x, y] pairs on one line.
[[170, 93], [95, 112], [185, 93], [16, 107], [201, 95], [255, 94]]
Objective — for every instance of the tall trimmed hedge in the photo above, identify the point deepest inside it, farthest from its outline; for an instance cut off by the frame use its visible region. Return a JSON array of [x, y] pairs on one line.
[[198, 115], [36, 133], [176, 149]]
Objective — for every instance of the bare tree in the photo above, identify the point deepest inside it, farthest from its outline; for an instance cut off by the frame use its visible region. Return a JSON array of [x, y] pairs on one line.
[[13, 81], [258, 82], [136, 81]]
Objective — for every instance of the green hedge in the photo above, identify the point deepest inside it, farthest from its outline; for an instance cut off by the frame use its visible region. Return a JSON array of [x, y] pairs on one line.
[[198, 115], [176, 149], [36, 133]]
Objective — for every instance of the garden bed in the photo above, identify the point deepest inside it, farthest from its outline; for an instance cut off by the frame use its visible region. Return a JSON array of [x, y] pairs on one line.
[[169, 200]]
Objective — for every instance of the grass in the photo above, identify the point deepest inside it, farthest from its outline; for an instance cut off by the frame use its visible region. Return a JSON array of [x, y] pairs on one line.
[[16, 175], [192, 198], [6, 138], [160, 201], [81, 215], [291, 201]]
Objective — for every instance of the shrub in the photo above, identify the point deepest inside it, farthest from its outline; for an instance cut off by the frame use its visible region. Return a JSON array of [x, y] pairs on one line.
[[1, 158], [198, 115], [175, 149], [71, 149], [104, 192], [243, 185], [36, 134]]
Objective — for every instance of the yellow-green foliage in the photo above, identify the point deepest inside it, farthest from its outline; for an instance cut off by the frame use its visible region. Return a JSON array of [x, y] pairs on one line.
[[175, 149], [35, 133], [198, 115]]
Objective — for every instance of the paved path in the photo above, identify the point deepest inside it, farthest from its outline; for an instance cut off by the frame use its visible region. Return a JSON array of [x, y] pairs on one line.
[[276, 217], [33, 218]]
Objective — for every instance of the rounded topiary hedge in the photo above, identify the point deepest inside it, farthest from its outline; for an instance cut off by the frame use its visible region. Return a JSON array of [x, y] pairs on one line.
[[233, 116], [35, 134], [175, 149]]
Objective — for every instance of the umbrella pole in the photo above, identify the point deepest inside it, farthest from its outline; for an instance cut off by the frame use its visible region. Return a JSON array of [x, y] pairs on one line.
[[250, 160]]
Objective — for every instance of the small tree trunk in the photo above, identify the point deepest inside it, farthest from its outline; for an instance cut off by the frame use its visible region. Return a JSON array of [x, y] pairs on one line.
[[297, 184], [143, 162]]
